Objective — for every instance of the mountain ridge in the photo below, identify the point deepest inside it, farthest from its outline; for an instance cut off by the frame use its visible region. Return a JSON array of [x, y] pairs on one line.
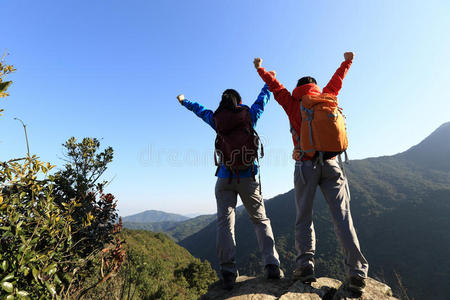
[[392, 197], [428, 151], [152, 216]]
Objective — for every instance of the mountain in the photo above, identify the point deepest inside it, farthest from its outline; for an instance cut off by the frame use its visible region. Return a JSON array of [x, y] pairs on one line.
[[152, 216], [153, 226], [186, 228], [176, 230], [400, 207], [428, 152]]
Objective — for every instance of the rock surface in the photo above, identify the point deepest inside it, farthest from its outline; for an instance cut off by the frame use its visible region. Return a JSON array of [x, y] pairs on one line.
[[257, 288]]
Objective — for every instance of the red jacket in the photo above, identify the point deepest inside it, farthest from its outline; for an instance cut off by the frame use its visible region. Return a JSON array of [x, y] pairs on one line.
[[291, 103]]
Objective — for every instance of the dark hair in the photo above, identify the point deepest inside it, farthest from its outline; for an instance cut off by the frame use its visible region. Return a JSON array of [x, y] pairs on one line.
[[306, 80], [230, 100]]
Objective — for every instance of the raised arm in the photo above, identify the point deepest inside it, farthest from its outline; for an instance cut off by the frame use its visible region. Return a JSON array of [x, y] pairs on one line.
[[280, 93], [258, 106], [334, 86], [199, 110]]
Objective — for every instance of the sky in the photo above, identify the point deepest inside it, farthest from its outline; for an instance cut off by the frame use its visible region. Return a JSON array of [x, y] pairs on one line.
[[112, 70]]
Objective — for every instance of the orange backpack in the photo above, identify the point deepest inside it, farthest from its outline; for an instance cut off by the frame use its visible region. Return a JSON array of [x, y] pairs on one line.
[[323, 126]]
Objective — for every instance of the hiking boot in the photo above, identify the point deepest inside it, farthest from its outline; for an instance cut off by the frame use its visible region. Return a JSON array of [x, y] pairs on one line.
[[229, 279], [305, 274], [272, 271], [355, 284]]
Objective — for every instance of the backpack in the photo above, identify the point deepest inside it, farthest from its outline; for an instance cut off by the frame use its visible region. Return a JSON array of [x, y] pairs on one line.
[[237, 143], [323, 128]]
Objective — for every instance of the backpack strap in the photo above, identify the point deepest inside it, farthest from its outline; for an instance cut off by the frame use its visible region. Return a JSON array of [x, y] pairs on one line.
[[257, 160], [310, 114], [297, 139], [261, 152], [259, 176], [299, 163], [217, 170], [342, 165], [295, 135], [216, 163], [321, 157]]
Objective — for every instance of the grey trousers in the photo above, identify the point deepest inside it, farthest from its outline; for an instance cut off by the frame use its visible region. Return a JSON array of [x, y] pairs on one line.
[[334, 185], [226, 198]]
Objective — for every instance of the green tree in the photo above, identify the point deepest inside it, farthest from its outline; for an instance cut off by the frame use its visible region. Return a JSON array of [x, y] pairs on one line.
[[79, 180], [42, 252], [199, 276]]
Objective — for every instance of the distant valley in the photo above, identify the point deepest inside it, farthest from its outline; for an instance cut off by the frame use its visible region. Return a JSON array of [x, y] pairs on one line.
[[400, 205]]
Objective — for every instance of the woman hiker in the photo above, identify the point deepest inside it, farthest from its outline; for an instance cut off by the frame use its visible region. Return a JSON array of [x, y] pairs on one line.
[[236, 154]]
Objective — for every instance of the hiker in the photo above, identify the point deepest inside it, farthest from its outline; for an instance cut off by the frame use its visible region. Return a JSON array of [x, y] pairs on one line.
[[318, 132], [235, 154]]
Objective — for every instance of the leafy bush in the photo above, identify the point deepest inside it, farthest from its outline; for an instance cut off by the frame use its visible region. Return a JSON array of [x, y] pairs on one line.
[[56, 228], [36, 242]]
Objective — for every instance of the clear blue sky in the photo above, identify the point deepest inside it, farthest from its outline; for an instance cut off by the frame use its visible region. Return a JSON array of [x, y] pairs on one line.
[[112, 69]]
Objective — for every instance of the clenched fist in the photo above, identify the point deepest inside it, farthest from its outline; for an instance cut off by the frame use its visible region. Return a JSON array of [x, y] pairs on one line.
[[180, 98], [348, 55], [257, 62]]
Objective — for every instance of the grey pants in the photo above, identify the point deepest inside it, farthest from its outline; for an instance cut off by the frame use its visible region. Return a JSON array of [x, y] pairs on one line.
[[329, 176], [226, 197]]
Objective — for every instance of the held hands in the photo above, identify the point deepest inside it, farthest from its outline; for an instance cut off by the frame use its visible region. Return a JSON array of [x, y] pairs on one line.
[[348, 56], [274, 74], [180, 98], [257, 62]]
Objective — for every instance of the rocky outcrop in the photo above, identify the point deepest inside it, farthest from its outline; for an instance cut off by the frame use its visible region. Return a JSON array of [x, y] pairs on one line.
[[256, 288]]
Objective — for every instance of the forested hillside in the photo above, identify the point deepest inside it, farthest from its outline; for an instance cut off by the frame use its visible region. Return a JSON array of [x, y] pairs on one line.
[[156, 268], [176, 230], [400, 206]]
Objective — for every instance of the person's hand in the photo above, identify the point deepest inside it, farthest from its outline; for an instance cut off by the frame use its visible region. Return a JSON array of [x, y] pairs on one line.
[[348, 56], [296, 154], [180, 98], [257, 62], [273, 73]]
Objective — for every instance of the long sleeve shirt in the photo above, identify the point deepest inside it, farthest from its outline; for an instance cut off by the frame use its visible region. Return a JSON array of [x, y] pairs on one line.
[[291, 102]]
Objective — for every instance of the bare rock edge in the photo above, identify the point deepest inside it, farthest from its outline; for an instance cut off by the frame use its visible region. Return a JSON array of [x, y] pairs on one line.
[[257, 288]]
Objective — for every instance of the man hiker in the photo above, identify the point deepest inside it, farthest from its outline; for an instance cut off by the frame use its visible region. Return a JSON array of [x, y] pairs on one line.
[[236, 152], [318, 131]]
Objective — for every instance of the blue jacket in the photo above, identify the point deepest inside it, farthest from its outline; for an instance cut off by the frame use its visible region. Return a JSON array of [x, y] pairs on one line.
[[206, 115]]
